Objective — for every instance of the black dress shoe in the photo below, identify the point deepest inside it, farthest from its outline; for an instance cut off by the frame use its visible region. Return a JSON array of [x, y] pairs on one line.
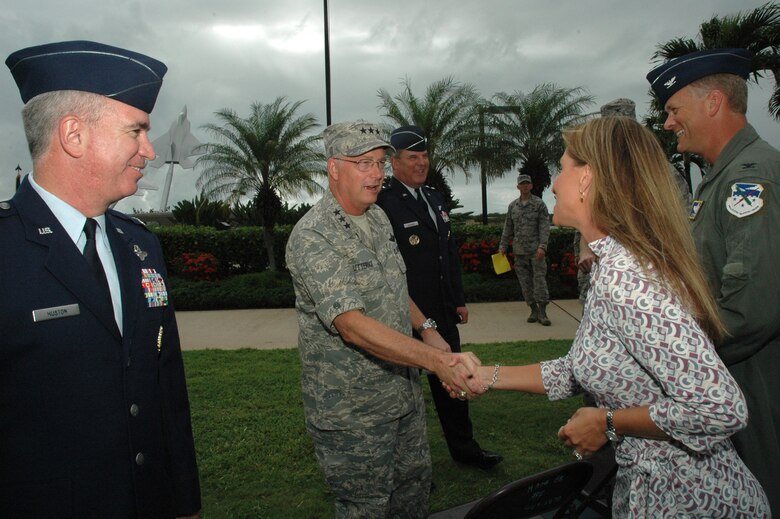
[[483, 460]]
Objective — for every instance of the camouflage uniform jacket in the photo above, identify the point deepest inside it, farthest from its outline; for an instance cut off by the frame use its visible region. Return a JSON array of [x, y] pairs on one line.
[[336, 268], [528, 225]]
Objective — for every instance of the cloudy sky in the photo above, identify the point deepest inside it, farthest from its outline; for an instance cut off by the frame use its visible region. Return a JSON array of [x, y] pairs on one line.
[[231, 53]]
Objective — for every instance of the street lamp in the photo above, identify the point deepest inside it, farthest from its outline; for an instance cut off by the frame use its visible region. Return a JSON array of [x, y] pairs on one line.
[[327, 65], [18, 175], [482, 166]]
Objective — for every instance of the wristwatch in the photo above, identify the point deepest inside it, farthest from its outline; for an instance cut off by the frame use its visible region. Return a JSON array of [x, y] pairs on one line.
[[427, 325], [611, 433]]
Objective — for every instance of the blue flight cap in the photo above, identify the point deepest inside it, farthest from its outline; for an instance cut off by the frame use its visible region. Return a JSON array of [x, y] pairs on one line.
[[120, 74], [667, 79], [410, 138]]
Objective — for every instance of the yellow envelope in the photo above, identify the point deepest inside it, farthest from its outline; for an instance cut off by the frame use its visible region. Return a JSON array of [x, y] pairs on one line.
[[500, 263]]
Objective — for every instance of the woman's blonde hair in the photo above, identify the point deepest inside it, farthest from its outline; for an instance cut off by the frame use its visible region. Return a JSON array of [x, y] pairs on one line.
[[634, 198]]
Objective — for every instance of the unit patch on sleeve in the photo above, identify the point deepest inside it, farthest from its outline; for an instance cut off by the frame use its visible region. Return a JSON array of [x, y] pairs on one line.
[[745, 199]]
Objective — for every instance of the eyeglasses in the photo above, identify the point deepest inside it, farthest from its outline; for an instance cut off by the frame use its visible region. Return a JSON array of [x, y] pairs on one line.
[[365, 165]]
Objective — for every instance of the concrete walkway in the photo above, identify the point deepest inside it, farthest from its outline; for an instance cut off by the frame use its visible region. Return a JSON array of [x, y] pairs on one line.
[[278, 328]]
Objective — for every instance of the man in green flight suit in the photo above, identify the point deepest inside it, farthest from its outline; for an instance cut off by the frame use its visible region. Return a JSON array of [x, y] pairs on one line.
[[734, 216]]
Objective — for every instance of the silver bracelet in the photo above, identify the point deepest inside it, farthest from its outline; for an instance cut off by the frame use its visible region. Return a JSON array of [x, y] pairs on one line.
[[494, 379]]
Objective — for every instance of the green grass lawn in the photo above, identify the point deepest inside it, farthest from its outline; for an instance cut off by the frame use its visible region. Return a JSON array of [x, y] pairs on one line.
[[257, 461]]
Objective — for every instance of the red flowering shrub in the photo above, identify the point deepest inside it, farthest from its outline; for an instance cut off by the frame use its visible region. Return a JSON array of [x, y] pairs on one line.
[[475, 255], [565, 269], [199, 266]]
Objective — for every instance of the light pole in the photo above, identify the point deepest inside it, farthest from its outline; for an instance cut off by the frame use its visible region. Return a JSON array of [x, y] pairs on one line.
[[327, 66], [18, 175]]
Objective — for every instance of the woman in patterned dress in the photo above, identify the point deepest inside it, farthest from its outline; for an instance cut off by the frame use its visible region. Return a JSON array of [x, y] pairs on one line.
[[644, 347]]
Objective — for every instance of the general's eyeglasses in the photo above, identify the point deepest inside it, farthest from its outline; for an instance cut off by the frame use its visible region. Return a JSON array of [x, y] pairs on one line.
[[365, 165]]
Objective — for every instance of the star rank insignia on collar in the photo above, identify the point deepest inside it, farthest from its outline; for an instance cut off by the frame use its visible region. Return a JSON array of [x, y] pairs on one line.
[[342, 219]]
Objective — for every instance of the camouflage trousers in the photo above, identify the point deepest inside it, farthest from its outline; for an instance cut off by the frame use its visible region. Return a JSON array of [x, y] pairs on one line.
[[532, 275], [378, 472]]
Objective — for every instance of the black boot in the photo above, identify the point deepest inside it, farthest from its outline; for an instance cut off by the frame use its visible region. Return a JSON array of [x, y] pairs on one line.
[[534, 313], [543, 320]]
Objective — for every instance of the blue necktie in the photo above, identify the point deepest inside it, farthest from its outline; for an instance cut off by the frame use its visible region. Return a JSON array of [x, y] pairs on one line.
[[422, 203]]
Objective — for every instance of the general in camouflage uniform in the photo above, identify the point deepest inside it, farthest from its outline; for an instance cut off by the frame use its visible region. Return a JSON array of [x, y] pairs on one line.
[[734, 218], [527, 224], [361, 390]]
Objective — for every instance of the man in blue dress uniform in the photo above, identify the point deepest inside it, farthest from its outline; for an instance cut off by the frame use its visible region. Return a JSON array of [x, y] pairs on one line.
[[95, 413], [422, 229]]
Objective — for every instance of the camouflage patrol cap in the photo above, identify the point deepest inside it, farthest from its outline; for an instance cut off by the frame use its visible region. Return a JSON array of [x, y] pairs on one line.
[[353, 138], [523, 178], [619, 107]]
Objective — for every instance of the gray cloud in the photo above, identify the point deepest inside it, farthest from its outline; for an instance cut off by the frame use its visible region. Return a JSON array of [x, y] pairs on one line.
[[231, 54]]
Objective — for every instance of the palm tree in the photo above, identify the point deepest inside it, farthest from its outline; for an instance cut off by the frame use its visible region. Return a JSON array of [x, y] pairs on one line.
[[531, 129], [758, 31], [265, 156], [447, 113], [201, 211]]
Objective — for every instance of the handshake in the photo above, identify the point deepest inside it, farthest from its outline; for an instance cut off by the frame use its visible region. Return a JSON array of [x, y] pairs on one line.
[[464, 377]]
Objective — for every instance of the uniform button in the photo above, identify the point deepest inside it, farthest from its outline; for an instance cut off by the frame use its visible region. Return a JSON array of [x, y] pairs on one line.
[[134, 409], [5, 205], [139, 458]]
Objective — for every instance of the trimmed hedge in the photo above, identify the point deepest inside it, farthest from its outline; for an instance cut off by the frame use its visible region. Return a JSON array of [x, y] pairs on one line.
[[238, 251], [254, 290], [227, 269]]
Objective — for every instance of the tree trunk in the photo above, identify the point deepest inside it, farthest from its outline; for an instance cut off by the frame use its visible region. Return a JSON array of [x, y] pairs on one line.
[[268, 241]]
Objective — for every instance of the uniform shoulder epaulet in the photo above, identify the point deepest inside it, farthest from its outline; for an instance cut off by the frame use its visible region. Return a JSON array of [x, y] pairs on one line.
[[128, 218], [6, 208], [139, 222]]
